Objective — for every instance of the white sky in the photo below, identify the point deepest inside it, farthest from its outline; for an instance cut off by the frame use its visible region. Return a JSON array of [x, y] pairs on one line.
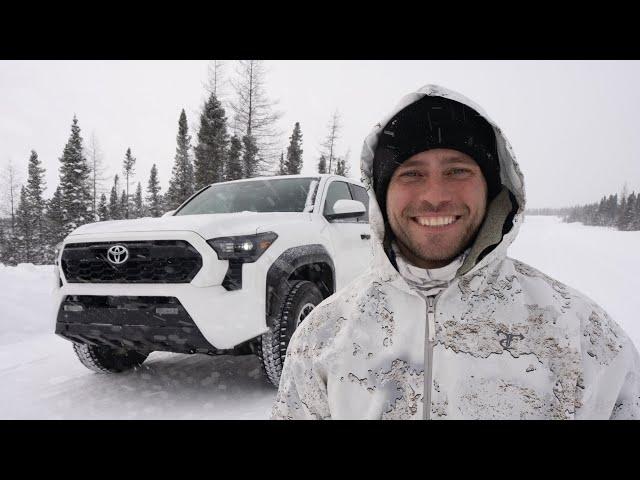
[[571, 123]]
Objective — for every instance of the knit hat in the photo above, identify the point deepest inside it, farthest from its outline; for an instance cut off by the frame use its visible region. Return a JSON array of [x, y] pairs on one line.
[[435, 122]]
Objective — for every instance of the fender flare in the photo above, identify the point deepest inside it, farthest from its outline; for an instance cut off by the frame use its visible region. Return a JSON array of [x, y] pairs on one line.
[[289, 261]]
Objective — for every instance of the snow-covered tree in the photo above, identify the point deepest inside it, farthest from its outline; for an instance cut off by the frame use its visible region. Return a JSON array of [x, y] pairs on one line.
[[234, 170], [282, 168], [115, 212], [181, 184], [56, 217], [128, 169], [37, 208], [249, 158], [75, 182], [212, 145], [154, 199], [322, 164], [293, 164], [138, 204], [103, 209]]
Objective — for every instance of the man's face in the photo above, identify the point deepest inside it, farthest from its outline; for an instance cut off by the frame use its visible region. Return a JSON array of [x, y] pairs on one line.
[[436, 202]]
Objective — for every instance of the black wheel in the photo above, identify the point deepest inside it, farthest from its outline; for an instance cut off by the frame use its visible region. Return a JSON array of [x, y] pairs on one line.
[[108, 360], [301, 298]]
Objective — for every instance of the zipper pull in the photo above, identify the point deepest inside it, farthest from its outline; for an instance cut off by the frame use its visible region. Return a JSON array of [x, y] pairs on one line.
[[431, 317]]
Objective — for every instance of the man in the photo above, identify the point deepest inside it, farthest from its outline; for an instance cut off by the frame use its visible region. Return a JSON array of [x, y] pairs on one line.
[[444, 325]]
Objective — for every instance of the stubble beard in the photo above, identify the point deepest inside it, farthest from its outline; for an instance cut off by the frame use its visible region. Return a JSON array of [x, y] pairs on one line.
[[440, 250]]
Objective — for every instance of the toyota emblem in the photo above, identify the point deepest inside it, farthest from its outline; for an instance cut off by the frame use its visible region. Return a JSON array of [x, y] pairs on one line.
[[118, 254]]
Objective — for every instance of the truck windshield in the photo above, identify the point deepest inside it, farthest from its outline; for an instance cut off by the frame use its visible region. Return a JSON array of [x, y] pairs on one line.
[[268, 195]]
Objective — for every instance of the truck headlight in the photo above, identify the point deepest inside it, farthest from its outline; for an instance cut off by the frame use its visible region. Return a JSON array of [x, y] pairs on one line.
[[247, 248]]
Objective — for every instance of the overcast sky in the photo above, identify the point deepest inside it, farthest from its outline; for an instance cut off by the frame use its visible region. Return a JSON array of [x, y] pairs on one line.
[[572, 124]]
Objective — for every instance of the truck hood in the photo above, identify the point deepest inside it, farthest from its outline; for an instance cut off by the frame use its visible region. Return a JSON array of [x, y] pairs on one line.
[[206, 225]]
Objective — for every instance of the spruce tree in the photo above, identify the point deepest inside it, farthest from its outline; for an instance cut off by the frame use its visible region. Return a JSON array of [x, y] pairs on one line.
[[250, 157], [74, 182], [37, 209], [234, 169], [626, 222], [341, 167], [322, 164], [181, 184], [24, 229], [213, 140], [282, 169], [128, 168], [103, 210], [294, 151], [56, 217], [138, 203], [153, 190], [124, 201], [114, 206]]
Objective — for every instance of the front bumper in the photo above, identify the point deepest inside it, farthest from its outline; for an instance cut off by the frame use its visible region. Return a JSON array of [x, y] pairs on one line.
[[225, 318]]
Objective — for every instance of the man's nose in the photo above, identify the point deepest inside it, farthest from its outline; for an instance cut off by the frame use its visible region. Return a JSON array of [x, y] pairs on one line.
[[435, 190]]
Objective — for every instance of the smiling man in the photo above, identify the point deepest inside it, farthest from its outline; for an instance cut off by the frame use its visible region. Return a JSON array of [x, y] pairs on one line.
[[444, 324]]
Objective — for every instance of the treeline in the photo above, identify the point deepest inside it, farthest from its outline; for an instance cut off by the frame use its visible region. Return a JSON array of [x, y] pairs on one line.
[[621, 212], [245, 147]]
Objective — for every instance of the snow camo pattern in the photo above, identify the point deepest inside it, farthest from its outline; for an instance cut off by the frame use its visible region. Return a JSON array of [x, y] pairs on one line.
[[510, 342]]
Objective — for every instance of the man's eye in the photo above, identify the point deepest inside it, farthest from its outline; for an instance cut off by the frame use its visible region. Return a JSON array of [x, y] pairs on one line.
[[409, 173], [459, 171]]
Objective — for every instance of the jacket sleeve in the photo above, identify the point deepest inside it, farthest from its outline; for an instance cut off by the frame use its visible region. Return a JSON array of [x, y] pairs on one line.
[[627, 405], [302, 394], [611, 388]]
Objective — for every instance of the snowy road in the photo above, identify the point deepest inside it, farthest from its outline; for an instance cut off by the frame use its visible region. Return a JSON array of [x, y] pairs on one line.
[[41, 378]]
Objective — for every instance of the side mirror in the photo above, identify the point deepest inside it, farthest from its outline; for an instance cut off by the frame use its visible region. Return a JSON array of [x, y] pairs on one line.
[[346, 209], [169, 213]]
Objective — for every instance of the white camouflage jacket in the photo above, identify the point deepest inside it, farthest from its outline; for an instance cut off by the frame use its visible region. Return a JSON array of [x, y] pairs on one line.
[[502, 341]]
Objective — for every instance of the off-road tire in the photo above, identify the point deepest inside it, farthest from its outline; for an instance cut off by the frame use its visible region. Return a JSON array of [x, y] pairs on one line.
[[272, 346], [108, 360]]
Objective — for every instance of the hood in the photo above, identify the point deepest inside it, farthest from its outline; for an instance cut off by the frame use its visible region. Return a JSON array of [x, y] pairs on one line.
[[207, 225], [504, 213]]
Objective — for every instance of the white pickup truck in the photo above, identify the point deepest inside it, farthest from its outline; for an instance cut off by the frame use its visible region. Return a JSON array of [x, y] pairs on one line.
[[233, 270]]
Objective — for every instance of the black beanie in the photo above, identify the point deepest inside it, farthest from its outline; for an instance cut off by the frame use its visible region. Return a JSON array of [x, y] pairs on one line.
[[434, 122]]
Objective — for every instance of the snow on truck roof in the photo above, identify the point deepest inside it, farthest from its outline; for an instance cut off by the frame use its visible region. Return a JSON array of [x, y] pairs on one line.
[[277, 177]]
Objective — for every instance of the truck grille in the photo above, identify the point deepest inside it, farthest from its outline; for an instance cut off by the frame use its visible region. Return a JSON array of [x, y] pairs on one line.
[[157, 261]]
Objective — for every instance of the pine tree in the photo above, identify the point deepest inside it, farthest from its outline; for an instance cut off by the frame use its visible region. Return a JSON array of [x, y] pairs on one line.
[[282, 168], [24, 229], [128, 168], [249, 159], [37, 209], [181, 184], [212, 145], [620, 217], [322, 164], [103, 210], [56, 217], [626, 221], [124, 203], [635, 225], [114, 206], [293, 165], [138, 203], [341, 167], [234, 170], [153, 190], [74, 182]]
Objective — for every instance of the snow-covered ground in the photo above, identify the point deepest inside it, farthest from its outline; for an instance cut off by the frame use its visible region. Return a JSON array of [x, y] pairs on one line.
[[41, 378]]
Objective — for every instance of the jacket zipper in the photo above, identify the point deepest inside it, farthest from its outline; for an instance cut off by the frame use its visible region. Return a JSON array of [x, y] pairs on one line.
[[428, 355]]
